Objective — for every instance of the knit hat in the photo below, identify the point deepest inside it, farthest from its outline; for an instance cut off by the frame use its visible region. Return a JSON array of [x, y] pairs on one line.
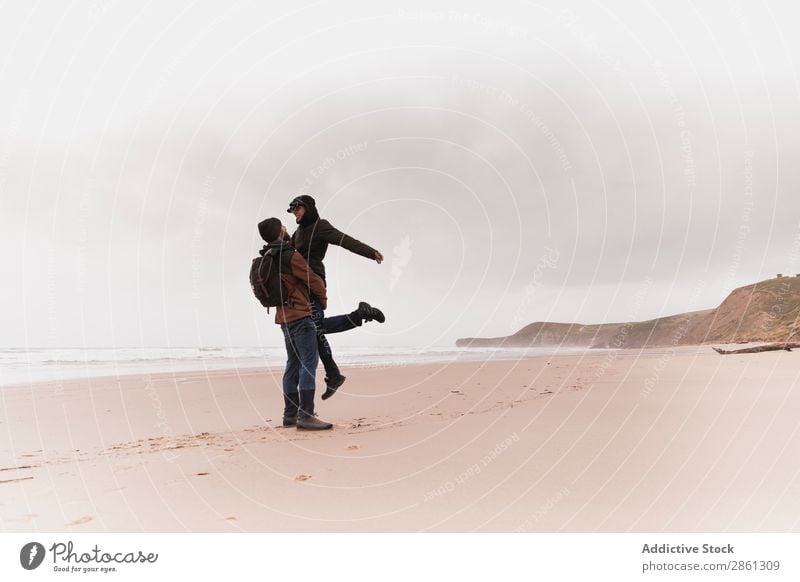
[[269, 229]]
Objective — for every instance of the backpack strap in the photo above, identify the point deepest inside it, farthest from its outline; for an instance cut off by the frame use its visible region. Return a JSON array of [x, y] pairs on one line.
[[261, 282], [285, 255]]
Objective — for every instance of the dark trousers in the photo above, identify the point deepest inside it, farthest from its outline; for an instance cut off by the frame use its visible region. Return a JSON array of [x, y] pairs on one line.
[[300, 338], [325, 325]]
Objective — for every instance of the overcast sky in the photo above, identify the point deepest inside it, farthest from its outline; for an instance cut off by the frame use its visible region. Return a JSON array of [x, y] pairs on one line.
[[514, 162]]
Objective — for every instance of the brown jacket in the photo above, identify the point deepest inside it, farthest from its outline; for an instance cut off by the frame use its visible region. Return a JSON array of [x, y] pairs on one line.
[[298, 278]]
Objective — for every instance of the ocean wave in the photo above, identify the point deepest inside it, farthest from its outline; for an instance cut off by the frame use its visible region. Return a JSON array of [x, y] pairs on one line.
[[23, 366]]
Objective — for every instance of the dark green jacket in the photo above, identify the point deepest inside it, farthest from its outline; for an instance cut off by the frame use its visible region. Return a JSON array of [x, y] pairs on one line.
[[312, 242]]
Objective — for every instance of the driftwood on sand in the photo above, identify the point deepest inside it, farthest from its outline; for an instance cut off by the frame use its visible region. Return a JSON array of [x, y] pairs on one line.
[[765, 348]]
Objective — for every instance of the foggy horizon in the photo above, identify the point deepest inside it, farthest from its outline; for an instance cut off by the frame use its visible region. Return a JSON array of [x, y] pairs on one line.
[[570, 162]]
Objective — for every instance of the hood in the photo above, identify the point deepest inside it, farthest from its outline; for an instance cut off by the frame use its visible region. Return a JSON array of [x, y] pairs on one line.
[[277, 246], [311, 215]]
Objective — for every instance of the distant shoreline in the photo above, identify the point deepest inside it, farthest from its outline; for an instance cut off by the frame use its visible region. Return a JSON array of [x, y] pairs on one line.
[[80, 365], [767, 311]]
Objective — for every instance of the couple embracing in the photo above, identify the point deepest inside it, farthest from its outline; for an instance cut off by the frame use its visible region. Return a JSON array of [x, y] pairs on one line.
[[290, 275]]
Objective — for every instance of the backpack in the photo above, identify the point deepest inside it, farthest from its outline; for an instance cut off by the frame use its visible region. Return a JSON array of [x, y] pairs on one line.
[[265, 278]]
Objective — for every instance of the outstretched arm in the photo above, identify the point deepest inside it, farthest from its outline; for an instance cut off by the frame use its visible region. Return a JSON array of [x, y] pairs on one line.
[[333, 236]]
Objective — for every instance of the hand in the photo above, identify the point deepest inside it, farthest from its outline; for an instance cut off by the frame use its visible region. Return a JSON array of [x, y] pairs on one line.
[[378, 257]]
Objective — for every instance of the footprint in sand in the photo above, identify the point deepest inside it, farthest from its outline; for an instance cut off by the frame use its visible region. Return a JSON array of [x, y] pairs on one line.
[[359, 424], [80, 520], [17, 467], [352, 447], [15, 480]]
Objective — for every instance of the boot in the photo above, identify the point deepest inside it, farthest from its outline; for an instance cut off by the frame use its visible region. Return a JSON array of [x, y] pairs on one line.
[[306, 403], [367, 312], [307, 420], [312, 423], [291, 403], [332, 386]]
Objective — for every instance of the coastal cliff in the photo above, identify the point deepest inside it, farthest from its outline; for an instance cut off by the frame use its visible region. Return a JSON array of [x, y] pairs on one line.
[[766, 311]]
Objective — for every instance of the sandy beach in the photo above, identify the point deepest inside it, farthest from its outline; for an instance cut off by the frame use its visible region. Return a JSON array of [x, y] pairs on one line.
[[641, 440]]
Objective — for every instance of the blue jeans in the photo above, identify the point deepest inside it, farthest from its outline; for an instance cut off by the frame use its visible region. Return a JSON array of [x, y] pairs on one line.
[[326, 325], [301, 364]]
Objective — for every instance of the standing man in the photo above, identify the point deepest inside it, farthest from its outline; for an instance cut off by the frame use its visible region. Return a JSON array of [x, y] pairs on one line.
[[299, 331], [311, 239]]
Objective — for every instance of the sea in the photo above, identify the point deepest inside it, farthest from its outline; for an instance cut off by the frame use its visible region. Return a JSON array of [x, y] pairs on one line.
[[25, 366]]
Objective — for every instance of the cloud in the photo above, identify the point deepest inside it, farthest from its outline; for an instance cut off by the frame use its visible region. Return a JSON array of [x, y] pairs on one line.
[[637, 154]]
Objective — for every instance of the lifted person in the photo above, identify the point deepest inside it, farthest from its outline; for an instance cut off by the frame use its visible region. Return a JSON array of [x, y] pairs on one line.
[[311, 239]]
